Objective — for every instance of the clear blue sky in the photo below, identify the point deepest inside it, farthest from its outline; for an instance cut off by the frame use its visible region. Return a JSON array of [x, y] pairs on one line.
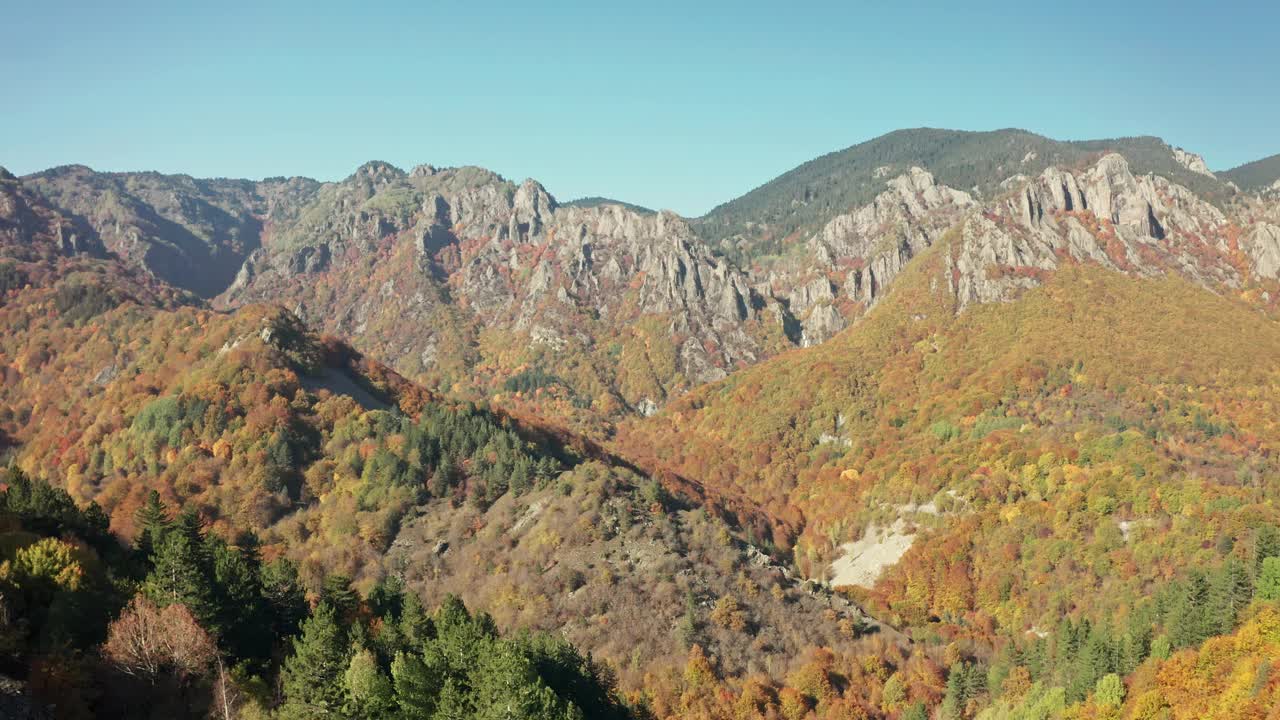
[[668, 104]]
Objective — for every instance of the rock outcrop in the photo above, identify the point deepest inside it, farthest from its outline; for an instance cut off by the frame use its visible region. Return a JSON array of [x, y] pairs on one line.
[[1192, 162], [846, 267], [1105, 215], [412, 264], [1102, 213], [459, 276], [193, 234]]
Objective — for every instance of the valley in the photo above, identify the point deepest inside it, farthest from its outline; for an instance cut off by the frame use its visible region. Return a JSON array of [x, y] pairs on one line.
[[943, 425]]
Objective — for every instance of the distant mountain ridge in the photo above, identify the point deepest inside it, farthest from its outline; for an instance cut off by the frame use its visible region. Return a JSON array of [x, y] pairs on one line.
[[594, 309], [595, 200], [797, 201], [1259, 175]]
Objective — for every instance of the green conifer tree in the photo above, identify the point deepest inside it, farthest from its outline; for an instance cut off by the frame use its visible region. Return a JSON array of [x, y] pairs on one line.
[[179, 576], [1269, 579], [312, 677], [369, 692], [152, 520]]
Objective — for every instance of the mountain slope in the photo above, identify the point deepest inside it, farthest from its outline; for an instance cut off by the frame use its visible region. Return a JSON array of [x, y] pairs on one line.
[[194, 234], [593, 201], [1257, 176], [1042, 450], [590, 312], [798, 202], [41, 247], [253, 423], [1101, 213], [1011, 420], [457, 276]]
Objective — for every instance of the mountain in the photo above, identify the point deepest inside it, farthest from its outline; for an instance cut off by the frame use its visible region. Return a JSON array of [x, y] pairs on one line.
[[457, 275], [593, 310], [43, 247], [1257, 176], [193, 234], [1102, 213], [768, 219], [1026, 471], [588, 202], [282, 443], [990, 437]]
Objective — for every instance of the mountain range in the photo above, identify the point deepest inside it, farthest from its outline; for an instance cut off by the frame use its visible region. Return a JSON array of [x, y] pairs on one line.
[[945, 424]]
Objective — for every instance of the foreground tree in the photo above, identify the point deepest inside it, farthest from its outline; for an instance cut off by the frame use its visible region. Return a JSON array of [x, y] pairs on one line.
[[149, 642], [313, 675]]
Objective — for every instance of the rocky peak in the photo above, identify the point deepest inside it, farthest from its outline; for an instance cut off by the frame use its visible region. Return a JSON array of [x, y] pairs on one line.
[[1192, 162], [530, 207], [1104, 214], [31, 229], [377, 172], [511, 259], [856, 255]]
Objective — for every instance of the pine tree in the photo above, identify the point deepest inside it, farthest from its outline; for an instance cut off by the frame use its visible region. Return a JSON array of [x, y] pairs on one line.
[[337, 592], [237, 595], [1269, 579], [964, 681], [368, 689], [313, 675], [445, 476], [1231, 592], [1189, 622], [152, 520], [179, 576], [283, 597], [1266, 544], [386, 599], [415, 626], [417, 685], [506, 685]]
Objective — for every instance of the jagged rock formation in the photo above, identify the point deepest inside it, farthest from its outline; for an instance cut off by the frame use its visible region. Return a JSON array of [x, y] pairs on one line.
[[1192, 162], [1106, 215], [43, 248], [415, 265], [30, 228], [765, 222], [1102, 213], [849, 264], [460, 277], [191, 233]]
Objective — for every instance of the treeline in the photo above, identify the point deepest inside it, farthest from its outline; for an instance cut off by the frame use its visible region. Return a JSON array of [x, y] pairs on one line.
[[184, 623]]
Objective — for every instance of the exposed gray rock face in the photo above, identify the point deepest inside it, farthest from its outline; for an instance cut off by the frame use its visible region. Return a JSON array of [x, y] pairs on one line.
[[857, 255], [1102, 214], [29, 227], [1105, 215], [435, 266], [1262, 245], [191, 233], [463, 247], [1192, 162]]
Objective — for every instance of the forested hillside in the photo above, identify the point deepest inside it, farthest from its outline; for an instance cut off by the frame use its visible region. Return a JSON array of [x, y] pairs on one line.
[[1061, 456], [1257, 176], [184, 623], [996, 439]]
